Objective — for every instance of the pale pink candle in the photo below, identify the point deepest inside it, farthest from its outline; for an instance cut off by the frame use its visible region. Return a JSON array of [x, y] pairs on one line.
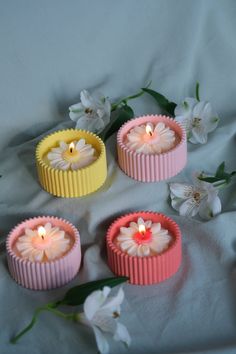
[[43, 252]]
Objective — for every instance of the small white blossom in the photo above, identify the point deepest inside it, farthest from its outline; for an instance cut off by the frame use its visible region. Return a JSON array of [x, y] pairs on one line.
[[201, 197], [101, 313], [92, 112], [198, 118]]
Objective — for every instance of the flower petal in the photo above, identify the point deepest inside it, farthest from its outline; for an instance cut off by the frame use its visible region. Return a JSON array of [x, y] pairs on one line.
[[210, 207], [181, 190], [125, 245], [76, 108], [80, 144], [143, 250], [86, 99], [176, 202], [93, 302], [105, 321], [75, 116], [199, 134], [156, 227], [101, 341], [189, 208], [198, 110], [122, 334], [95, 125], [185, 106], [63, 145], [30, 232], [115, 301], [141, 221]]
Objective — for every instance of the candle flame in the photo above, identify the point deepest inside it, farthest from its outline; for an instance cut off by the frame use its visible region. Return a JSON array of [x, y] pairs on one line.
[[71, 147], [149, 129], [41, 232], [142, 228]]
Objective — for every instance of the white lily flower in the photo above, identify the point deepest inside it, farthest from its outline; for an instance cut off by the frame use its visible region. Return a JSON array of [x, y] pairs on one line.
[[201, 197], [198, 118], [101, 313], [92, 113]]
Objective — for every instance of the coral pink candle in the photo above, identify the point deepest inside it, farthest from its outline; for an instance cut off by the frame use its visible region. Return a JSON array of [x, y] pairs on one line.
[[144, 246]]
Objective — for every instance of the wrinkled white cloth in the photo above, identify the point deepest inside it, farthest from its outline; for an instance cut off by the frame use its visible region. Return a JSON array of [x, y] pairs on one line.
[[51, 50]]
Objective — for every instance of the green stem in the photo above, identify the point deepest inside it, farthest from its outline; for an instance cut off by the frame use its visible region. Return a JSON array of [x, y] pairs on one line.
[[220, 184], [197, 91], [128, 98], [48, 307]]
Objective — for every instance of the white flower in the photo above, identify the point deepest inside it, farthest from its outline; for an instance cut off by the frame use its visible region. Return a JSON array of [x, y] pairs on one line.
[[101, 313], [160, 139], [201, 197], [80, 156], [92, 113], [198, 118], [153, 240], [55, 244]]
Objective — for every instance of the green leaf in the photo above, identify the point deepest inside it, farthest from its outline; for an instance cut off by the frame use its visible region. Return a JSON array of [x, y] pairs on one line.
[[197, 91], [220, 170], [210, 179], [162, 101], [124, 114], [77, 295]]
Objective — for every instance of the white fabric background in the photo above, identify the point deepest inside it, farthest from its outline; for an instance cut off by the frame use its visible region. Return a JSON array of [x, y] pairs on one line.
[[50, 50]]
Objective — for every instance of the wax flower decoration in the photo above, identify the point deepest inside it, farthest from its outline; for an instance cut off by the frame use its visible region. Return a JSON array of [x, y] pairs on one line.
[[201, 197], [197, 117], [73, 156], [101, 312], [151, 139], [45, 242], [143, 238]]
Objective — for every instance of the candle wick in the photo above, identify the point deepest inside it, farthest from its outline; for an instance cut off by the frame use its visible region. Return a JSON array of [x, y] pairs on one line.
[[42, 237], [71, 150], [150, 133]]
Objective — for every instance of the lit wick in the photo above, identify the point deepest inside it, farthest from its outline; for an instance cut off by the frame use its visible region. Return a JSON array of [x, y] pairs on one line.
[[142, 229], [41, 232], [149, 129], [71, 147]]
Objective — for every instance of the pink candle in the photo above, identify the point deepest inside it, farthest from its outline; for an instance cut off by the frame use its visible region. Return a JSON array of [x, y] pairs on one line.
[[43, 252], [151, 148], [144, 246]]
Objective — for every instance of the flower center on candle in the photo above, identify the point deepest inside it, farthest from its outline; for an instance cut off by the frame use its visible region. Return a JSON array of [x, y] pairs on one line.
[[41, 241], [71, 154], [143, 235], [150, 137], [149, 129], [71, 148]]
